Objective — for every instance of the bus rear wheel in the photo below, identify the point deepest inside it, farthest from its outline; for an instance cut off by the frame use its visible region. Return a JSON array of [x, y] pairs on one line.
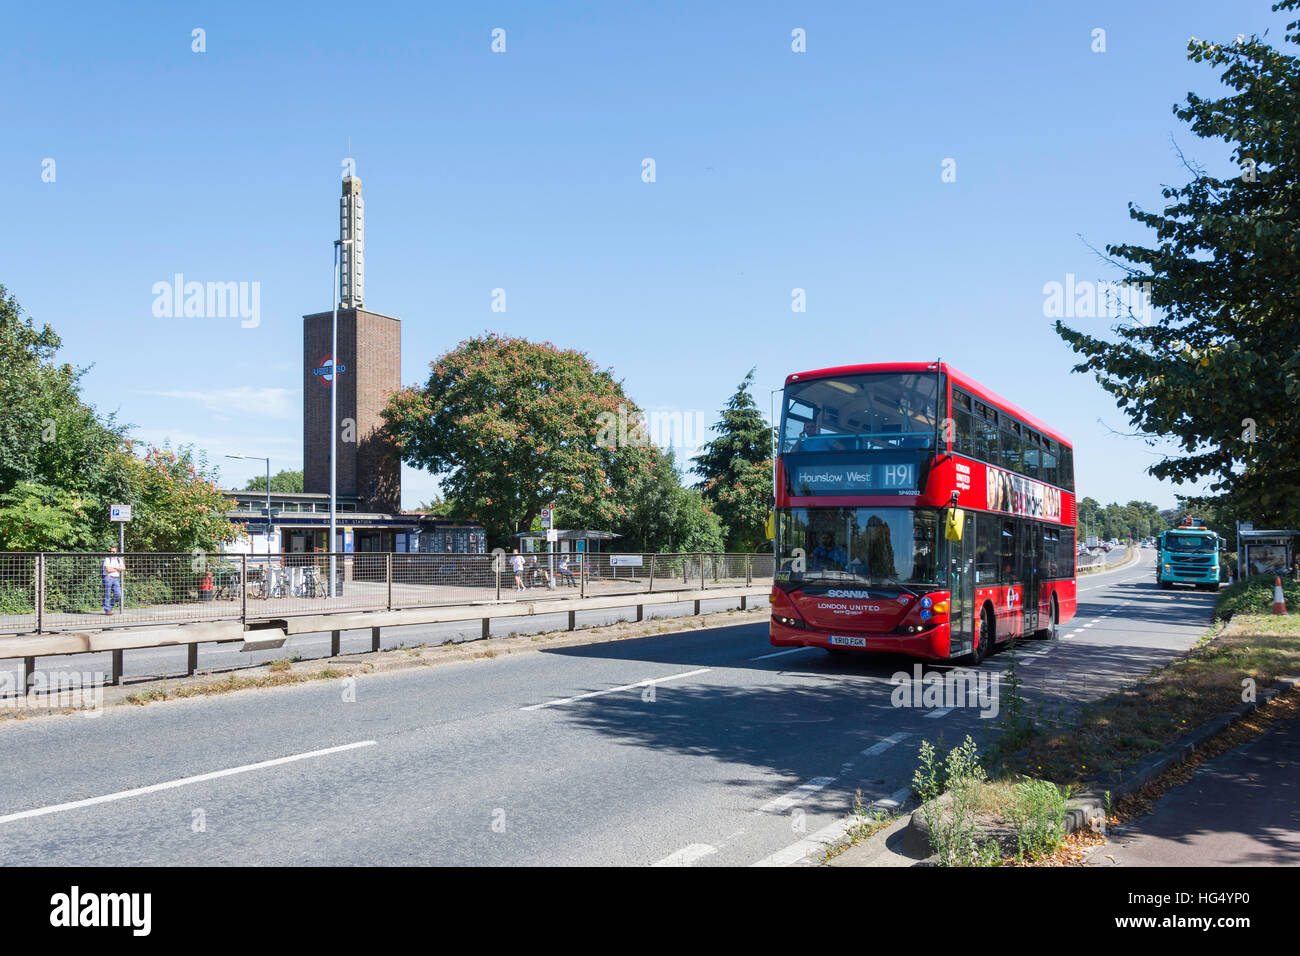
[[984, 638], [1052, 631]]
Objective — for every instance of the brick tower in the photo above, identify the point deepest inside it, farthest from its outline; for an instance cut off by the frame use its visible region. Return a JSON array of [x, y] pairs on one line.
[[369, 371]]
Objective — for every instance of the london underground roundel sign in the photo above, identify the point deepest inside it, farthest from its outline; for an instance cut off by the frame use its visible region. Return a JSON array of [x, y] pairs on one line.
[[325, 370]]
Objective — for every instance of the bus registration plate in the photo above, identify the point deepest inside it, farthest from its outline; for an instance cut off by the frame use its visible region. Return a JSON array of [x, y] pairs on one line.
[[837, 641]]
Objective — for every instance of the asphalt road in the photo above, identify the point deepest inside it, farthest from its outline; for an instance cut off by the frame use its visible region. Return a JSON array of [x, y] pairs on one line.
[[735, 754]]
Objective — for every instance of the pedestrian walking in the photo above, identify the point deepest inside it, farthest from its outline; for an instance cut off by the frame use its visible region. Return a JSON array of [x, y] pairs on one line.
[[112, 571]]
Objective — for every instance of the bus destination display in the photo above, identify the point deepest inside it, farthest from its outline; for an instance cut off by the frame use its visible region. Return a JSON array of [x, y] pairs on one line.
[[884, 478]]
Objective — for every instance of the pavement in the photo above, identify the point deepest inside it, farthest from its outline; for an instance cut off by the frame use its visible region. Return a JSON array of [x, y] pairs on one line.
[[700, 748], [1240, 809]]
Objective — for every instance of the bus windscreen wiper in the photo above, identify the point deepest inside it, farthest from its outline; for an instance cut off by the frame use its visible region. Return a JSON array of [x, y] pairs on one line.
[[899, 585]]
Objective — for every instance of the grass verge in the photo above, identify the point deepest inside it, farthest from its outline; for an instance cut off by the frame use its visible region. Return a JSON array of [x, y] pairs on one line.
[[1026, 797], [1118, 731], [278, 677]]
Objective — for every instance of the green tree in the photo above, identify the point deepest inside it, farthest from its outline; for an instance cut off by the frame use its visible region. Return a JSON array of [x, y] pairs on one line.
[[1218, 369], [36, 517], [735, 470], [745, 502], [48, 435], [664, 516], [282, 482], [439, 507], [62, 464], [1137, 519], [1219, 514], [176, 503], [511, 425]]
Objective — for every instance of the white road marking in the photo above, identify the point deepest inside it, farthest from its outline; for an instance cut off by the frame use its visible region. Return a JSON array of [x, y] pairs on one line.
[[173, 784], [936, 714], [875, 750], [688, 855], [796, 795], [615, 690], [817, 842], [828, 836], [893, 801], [793, 650]]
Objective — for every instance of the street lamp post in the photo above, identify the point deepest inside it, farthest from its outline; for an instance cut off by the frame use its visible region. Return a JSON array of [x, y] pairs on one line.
[[334, 412]]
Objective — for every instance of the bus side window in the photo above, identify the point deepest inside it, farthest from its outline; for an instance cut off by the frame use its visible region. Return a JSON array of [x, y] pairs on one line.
[[1007, 572], [986, 549]]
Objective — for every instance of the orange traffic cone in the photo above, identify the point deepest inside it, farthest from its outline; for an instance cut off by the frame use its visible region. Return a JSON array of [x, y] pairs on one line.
[[1279, 602]]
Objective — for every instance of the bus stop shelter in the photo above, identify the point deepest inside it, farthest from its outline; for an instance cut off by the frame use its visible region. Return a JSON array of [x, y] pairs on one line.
[[570, 542], [1266, 552]]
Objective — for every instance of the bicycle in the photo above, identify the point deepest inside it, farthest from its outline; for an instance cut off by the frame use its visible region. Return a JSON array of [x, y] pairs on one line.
[[227, 586], [276, 588], [312, 586]]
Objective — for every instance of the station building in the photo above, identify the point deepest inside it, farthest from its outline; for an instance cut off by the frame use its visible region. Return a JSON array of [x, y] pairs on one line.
[[366, 372]]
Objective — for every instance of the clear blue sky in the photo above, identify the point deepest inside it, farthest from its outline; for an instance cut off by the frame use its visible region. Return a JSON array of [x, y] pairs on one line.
[[522, 171]]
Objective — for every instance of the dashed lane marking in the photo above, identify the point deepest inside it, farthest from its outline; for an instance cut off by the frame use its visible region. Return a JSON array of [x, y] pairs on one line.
[[615, 690]]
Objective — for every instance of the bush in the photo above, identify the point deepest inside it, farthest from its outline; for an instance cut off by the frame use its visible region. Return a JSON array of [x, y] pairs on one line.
[[148, 592], [1254, 595], [1037, 812], [953, 833], [16, 599]]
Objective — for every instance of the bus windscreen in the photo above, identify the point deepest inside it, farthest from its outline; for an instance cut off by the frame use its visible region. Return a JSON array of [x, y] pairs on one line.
[[860, 413]]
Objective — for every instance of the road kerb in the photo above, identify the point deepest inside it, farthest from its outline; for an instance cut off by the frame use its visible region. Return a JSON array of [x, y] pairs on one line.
[[1094, 804]]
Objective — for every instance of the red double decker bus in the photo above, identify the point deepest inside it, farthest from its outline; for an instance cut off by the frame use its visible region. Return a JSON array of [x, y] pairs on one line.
[[918, 512]]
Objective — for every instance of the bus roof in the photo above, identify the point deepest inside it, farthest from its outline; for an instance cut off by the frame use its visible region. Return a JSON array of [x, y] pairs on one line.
[[965, 381]]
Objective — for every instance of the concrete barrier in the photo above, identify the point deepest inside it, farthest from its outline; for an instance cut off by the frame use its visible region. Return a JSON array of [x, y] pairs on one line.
[[269, 634]]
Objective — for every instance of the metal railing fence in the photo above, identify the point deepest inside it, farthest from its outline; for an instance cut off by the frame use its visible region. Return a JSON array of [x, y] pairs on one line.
[[71, 591]]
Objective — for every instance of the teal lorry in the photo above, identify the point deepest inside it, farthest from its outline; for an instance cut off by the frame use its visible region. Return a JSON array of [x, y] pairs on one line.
[[1189, 554]]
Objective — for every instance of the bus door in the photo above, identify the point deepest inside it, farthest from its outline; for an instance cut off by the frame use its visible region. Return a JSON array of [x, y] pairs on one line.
[[1032, 552], [1014, 562], [961, 581]]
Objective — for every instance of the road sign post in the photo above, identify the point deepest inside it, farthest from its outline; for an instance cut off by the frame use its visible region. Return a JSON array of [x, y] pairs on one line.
[[552, 537], [122, 515]]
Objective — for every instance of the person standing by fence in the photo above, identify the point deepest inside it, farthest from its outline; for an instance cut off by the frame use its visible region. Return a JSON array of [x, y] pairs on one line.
[[112, 570]]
